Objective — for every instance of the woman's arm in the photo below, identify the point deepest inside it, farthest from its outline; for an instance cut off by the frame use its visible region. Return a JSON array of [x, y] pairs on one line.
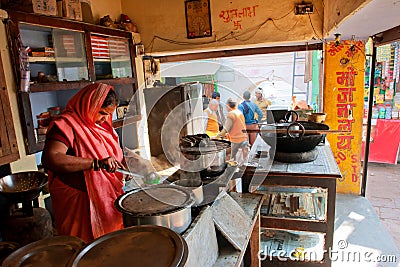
[[55, 158]]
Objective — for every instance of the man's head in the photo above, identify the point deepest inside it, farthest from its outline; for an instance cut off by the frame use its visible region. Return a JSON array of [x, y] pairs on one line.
[[216, 95], [231, 103], [213, 105], [246, 95], [259, 93]]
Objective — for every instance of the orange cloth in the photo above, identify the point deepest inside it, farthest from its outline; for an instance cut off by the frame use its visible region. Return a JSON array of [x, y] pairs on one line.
[[236, 133], [212, 128], [88, 140]]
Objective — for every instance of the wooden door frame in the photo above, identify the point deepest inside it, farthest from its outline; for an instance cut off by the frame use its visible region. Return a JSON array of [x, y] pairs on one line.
[[11, 152]]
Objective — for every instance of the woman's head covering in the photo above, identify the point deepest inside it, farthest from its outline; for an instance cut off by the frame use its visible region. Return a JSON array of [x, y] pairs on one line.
[[88, 101]]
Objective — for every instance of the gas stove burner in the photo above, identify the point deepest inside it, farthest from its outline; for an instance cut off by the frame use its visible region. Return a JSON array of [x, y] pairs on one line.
[[211, 173], [211, 185], [300, 157], [262, 154]]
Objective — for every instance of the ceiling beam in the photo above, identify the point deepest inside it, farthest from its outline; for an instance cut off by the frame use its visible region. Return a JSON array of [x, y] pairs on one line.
[[387, 37], [238, 52]]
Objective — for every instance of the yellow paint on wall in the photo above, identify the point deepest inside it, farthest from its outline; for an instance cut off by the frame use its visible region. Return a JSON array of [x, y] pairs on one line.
[[235, 23], [343, 103], [100, 8]]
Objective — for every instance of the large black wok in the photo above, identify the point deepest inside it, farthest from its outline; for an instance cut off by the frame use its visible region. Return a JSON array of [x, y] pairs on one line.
[[293, 141]]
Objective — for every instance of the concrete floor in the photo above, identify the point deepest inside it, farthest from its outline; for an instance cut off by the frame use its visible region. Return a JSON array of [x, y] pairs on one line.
[[383, 191], [360, 238], [367, 231]]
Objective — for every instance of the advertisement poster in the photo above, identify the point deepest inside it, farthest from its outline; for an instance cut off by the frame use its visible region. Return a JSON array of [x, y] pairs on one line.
[[344, 104]]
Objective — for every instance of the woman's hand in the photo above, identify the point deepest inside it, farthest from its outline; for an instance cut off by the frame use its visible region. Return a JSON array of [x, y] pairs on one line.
[[110, 164]]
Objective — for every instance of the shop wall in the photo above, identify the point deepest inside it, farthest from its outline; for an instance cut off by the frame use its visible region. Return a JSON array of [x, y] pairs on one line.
[[25, 163], [338, 10], [101, 8], [272, 22]]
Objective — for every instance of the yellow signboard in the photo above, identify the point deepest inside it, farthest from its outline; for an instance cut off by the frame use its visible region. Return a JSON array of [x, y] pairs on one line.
[[344, 102]]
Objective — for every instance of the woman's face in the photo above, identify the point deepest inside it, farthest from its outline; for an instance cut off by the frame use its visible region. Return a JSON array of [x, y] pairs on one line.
[[104, 114]]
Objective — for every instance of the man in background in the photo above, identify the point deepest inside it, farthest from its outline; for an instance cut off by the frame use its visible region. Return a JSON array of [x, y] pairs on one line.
[[205, 102], [220, 110], [249, 110], [210, 118], [262, 104], [235, 125]]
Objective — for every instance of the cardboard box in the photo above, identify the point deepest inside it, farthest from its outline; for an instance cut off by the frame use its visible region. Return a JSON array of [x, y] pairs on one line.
[[43, 52], [72, 9], [45, 7], [121, 111]]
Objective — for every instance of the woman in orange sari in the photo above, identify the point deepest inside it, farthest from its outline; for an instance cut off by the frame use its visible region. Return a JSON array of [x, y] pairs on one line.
[[78, 143]]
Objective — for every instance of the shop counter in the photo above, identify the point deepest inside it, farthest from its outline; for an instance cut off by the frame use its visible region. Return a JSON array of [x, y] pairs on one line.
[[298, 213]]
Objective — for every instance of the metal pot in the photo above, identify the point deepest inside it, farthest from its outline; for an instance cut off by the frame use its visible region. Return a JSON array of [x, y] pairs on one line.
[[293, 143], [163, 205], [214, 161]]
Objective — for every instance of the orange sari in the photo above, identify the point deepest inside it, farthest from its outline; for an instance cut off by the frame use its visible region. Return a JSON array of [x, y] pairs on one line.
[[88, 214]]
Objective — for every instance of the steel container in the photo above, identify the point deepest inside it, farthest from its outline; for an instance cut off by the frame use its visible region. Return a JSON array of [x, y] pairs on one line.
[[138, 207]]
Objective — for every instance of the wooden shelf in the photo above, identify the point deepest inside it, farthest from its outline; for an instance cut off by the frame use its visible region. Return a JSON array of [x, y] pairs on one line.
[[120, 59], [33, 22], [38, 146], [56, 86], [72, 60], [118, 81], [42, 60], [101, 59], [64, 23], [126, 121]]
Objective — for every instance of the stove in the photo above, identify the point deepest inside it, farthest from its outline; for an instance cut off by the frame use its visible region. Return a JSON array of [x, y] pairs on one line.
[[298, 157], [212, 185], [25, 222]]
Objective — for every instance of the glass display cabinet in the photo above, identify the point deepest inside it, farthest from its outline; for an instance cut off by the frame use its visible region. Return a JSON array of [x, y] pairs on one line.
[[56, 57], [297, 217]]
